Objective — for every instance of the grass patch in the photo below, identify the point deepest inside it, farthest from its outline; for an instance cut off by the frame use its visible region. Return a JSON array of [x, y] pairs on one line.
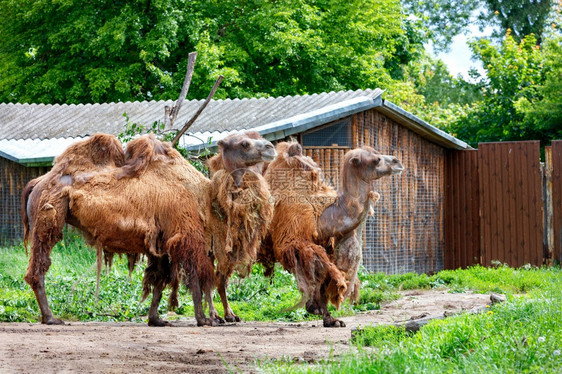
[[518, 336], [70, 286]]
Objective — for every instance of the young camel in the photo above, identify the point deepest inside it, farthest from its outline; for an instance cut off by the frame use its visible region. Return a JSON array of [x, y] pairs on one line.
[[149, 204], [309, 215]]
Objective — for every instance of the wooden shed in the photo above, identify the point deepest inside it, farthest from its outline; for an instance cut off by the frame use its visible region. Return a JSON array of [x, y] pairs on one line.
[[407, 231]]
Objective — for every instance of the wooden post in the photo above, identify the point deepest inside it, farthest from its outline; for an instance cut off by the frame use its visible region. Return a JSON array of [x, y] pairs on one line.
[[549, 229], [170, 114]]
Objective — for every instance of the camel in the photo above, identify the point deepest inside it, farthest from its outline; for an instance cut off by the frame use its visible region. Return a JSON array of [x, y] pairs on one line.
[[148, 201], [310, 218], [241, 212]]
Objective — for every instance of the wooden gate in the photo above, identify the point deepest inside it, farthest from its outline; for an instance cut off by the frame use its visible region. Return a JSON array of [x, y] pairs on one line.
[[495, 205], [512, 210]]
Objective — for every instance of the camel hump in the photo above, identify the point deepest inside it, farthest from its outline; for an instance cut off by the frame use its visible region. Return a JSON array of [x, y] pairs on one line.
[[142, 151], [99, 150]]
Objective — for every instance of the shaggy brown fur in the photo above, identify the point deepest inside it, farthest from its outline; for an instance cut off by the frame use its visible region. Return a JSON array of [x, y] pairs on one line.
[[342, 222], [98, 152], [144, 209], [300, 197], [311, 222], [241, 212]]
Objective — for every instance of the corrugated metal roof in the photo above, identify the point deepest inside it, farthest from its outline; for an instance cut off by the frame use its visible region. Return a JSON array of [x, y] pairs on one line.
[[39, 121], [33, 134]]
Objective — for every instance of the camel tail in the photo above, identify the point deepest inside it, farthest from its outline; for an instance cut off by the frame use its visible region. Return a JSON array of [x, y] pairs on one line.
[[23, 210]]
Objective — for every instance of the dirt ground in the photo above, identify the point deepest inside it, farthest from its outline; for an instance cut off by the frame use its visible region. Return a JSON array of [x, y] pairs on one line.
[[96, 347]]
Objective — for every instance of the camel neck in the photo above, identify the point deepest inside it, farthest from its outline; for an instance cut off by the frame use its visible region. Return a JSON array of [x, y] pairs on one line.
[[237, 175], [354, 194], [348, 211]]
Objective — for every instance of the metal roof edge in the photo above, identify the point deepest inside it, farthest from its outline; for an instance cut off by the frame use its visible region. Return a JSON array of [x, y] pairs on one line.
[[302, 122], [421, 127], [9, 157], [27, 162]]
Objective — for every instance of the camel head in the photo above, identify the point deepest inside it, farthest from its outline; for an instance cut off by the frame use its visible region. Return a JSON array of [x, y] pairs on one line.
[[367, 164], [291, 154], [239, 152]]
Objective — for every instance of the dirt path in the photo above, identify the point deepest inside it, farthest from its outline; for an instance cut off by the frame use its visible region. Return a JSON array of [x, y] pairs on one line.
[[136, 348]]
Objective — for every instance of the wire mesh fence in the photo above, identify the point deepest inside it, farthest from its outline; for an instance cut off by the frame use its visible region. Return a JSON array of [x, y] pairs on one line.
[[406, 232], [13, 178]]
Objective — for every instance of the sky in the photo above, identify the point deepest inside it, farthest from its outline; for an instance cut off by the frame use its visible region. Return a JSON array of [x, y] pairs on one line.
[[459, 57]]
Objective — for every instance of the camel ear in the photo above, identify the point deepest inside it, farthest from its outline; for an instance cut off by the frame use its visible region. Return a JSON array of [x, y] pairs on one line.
[[355, 161], [221, 143]]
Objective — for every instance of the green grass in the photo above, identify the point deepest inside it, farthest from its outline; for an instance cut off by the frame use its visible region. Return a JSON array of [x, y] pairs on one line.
[[522, 335], [70, 285]]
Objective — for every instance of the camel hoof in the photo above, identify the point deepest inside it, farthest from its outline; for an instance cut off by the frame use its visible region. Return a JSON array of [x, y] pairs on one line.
[[54, 321], [220, 320], [206, 322], [158, 322], [334, 323], [232, 318], [313, 308]]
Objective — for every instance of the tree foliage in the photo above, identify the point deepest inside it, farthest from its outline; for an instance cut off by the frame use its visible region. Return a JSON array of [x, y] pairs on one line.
[[71, 51], [517, 74], [520, 17], [544, 113], [445, 19]]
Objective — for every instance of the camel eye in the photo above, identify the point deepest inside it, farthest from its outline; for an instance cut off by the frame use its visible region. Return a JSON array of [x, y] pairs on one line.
[[376, 160], [245, 144]]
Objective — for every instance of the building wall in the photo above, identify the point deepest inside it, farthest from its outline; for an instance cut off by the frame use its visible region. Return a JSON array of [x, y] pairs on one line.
[[406, 233], [13, 178]]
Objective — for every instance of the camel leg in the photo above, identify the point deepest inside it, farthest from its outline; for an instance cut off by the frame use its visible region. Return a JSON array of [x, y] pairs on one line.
[[47, 231], [313, 307], [153, 316], [213, 313], [327, 318], [39, 263], [197, 297], [229, 315], [41, 296], [156, 276]]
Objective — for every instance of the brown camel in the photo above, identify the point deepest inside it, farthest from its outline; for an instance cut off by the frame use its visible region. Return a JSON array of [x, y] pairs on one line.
[[150, 204], [242, 209], [309, 215]]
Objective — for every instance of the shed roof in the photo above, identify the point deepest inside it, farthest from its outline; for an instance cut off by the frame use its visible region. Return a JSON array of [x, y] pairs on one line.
[[33, 134]]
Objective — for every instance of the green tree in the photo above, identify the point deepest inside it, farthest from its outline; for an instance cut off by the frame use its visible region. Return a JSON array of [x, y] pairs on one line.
[[71, 51], [521, 17], [514, 72], [545, 113], [84, 51], [445, 19], [433, 80]]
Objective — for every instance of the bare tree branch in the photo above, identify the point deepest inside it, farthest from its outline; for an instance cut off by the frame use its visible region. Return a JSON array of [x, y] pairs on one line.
[[205, 103]]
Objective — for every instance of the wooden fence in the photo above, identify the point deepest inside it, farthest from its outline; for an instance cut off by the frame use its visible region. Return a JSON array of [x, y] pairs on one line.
[[554, 203], [462, 217], [495, 205]]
